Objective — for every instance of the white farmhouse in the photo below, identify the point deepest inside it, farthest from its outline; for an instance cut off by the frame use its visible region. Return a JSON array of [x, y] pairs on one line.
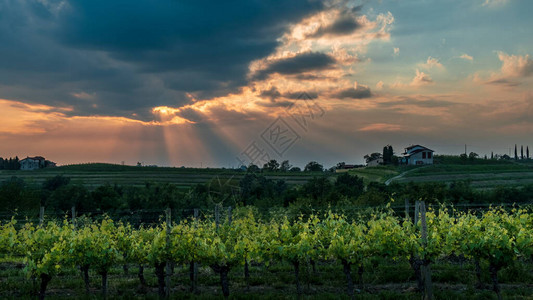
[[373, 162], [417, 155], [34, 163]]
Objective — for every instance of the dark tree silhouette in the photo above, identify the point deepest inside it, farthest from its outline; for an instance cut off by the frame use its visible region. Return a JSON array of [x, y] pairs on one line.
[[522, 152], [515, 153], [313, 166]]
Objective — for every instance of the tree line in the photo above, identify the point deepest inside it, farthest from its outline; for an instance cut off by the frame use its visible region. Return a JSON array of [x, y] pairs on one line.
[[10, 163], [59, 194]]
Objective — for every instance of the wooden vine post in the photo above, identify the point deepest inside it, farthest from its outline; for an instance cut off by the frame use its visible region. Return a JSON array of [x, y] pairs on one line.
[[425, 268], [168, 271]]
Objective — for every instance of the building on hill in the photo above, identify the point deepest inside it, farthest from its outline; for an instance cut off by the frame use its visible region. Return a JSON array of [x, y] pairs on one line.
[[344, 168], [34, 163], [417, 155], [378, 161], [374, 159]]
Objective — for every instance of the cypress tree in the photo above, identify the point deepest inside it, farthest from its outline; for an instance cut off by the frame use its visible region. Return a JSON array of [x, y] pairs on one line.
[[527, 152], [522, 152], [492, 155], [515, 153]]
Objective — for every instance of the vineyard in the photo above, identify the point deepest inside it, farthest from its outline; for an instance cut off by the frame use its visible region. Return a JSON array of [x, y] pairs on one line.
[[240, 241]]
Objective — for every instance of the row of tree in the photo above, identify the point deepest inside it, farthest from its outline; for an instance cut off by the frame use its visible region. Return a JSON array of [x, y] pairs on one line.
[[387, 155], [521, 152], [59, 194], [274, 166], [9, 163]]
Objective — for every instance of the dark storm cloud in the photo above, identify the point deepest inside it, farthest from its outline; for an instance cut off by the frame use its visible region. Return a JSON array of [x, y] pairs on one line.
[[342, 26], [305, 62], [360, 92], [345, 24], [271, 94], [134, 55]]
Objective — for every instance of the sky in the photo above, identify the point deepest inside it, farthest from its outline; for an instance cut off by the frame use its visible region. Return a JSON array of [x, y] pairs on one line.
[[224, 83]]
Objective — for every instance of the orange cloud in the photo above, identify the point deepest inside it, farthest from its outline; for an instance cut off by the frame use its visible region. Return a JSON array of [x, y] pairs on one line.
[[515, 65], [421, 78], [381, 127], [467, 57], [431, 63]]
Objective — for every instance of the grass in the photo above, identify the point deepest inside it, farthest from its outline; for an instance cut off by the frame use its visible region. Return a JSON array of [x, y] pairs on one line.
[[376, 174], [483, 174], [94, 175]]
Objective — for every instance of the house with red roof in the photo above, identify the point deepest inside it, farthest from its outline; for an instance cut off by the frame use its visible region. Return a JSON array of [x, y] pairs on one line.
[[417, 155]]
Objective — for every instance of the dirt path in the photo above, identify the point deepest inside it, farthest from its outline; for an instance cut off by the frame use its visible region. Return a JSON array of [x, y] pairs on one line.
[[402, 174]]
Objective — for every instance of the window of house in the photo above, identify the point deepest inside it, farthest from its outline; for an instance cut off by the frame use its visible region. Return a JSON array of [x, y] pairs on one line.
[[429, 154], [423, 154]]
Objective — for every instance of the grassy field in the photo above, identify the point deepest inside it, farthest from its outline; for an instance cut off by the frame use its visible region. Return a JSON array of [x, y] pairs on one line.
[[94, 175], [377, 174], [485, 174]]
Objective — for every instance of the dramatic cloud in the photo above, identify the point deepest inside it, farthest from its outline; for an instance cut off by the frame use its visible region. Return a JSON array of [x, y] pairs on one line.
[[301, 63], [515, 69], [357, 92], [188, 82], [124, 58], [345, 23], [271, 93]]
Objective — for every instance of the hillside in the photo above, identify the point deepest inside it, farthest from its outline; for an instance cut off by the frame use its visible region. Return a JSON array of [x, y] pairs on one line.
[[93, 175], [483, 174]]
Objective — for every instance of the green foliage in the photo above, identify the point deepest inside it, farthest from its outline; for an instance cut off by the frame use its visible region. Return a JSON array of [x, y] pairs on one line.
[[497, 237], [313, 166]]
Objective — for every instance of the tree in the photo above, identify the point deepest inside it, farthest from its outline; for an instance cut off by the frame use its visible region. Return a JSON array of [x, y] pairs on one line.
[[272, 166], [350, 186], [491, 155], [52, 184], [285, 166], [373, 156], [253, 168], [295, 169], [522, 152], [527, 152], [515, 153], [387, 154], [313, 166], [472, 156]]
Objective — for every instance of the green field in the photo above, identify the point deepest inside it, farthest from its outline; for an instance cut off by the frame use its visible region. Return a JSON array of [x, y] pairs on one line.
[[94, 175], [483, 175], [376, 174]]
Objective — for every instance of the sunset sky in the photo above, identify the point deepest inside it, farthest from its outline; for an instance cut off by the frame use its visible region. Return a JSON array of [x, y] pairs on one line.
[[209, 83]]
